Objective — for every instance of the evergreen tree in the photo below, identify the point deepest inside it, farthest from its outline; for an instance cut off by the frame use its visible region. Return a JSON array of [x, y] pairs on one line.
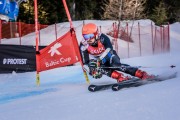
[[159, 15]]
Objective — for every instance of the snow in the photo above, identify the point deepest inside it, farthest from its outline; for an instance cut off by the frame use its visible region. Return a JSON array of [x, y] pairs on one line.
[[63, 93]]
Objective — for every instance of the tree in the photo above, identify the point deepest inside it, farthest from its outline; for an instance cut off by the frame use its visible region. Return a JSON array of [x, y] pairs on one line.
[[173, 10], [159, 15], [109, 9], [51, 11]]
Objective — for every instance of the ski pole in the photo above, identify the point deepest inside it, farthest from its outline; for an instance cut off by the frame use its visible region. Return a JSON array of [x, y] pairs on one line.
[[171, 66]]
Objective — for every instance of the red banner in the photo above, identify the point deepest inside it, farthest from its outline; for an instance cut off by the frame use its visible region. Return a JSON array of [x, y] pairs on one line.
[[62, 52]]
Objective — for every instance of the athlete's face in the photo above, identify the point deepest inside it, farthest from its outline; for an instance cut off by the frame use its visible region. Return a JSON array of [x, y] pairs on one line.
[[91, 41], [90, 38]]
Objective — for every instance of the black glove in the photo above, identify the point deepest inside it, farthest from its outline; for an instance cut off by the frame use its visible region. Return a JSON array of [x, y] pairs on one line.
[[94, 63], [95, 71]]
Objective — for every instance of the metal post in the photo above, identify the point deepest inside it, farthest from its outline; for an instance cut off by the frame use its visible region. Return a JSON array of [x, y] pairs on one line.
[[139, 38], [0, 30], [19, 25], [55, 30], [168, 38], [117, 30], [128, 38], [161, 38], [152, 37], [155, 39], [100, 29]]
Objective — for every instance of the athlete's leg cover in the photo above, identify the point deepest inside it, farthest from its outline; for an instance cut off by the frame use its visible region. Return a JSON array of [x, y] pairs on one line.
[[143, 75], [119, 76]]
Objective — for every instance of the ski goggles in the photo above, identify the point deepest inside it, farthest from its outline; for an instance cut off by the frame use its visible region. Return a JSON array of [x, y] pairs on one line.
[[88, 36]]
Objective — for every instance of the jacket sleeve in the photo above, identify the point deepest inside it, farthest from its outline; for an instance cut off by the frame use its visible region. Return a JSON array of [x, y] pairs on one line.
[[84, 55], [115, 59], [106, 41]]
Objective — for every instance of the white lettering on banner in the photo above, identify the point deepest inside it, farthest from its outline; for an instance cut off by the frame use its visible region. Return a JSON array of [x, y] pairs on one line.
[[61, 60], [14, 61], [52, 63]]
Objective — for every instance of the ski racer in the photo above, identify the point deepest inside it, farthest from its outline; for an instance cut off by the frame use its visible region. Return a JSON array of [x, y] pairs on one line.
[[98, 54]]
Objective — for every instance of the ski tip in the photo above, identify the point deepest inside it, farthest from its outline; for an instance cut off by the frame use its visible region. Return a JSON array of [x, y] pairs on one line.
[[92, 88], [172, 66]]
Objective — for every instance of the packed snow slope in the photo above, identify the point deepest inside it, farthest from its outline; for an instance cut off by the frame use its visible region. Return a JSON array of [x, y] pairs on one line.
[[63, 93]]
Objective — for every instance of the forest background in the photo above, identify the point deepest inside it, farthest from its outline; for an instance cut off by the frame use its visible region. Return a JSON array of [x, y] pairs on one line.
[[52, 11]]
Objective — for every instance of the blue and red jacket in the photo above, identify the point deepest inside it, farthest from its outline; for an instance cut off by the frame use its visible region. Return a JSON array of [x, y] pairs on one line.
[[103, 42]]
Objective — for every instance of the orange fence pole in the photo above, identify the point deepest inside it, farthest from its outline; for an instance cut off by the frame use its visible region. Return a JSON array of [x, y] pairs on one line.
[[71, 26], [67, 13], [37, 42]]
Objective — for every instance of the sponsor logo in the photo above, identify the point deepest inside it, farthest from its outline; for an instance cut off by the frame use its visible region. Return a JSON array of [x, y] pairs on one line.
[[97, 51], [54, 49], [14, 61], [62, 60], [57, 62]]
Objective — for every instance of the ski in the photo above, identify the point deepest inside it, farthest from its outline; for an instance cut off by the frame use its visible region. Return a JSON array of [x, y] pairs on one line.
[[94, 88], [158, 78], [134, 82]]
